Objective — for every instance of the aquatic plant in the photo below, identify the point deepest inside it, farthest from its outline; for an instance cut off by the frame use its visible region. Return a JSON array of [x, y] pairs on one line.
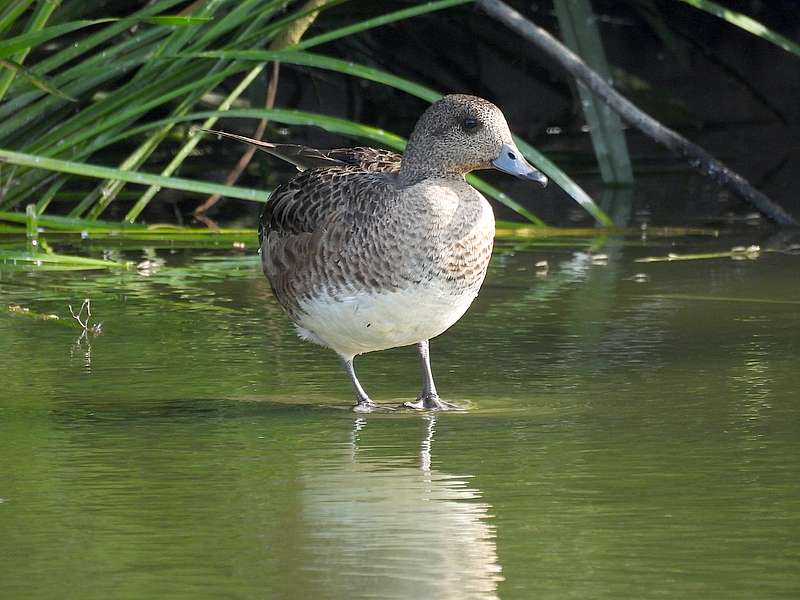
[[77, 88], [142, 77]]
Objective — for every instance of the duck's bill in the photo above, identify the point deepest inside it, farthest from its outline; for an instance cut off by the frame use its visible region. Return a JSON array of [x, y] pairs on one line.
[[512, 162]]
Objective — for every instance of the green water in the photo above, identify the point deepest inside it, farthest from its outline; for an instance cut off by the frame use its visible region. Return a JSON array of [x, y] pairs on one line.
[[627, 437]]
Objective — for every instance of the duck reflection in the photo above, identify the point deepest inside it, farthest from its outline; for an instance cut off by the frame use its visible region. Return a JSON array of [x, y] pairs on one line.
[[395, 528]]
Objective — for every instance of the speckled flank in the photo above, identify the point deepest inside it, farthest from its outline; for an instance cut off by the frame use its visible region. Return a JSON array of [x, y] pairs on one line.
[[381, 251]]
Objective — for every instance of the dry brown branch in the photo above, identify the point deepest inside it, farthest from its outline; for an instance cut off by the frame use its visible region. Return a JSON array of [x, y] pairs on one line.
[[694, 154], [289, 36]]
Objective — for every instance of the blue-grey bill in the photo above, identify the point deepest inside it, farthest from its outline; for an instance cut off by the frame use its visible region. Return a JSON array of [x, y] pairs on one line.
[[512, 162]]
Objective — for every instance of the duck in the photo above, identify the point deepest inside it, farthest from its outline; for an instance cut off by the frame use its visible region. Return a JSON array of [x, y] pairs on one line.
[[367, 249]]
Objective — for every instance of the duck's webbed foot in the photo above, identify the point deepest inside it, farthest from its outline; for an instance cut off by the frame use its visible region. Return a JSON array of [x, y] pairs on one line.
[[427, 401], [364, 403], [368, 406]]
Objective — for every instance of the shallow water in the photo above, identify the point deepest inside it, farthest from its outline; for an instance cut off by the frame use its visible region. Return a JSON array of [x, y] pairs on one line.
[[627, 437]]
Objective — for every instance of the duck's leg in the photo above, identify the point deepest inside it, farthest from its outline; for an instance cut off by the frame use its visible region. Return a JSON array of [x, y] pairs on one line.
[[428, 398], [363, 402]]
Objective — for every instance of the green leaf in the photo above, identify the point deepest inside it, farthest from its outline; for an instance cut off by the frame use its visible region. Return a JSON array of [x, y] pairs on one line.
[[581, 34], [62, 259], [36, 23], [28, 40], [747, 23], [57, 223], [319, 61], [90, 170], [61, 223], [12, 14], [248, 14], [40, 82], [425, 7], [177, 20], [93, 40], [564, 181]]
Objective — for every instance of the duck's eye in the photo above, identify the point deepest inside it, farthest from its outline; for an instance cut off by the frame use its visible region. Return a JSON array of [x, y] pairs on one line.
[[470, 123]]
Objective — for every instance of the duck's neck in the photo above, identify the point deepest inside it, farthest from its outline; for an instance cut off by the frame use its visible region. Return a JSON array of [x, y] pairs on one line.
[[415, 168]]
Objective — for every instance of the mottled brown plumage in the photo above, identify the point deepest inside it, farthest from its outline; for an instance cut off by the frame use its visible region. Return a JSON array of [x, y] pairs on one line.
[[368, 250]]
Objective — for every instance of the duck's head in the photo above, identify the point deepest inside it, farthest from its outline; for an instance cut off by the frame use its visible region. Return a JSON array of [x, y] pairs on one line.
[[459, 134]]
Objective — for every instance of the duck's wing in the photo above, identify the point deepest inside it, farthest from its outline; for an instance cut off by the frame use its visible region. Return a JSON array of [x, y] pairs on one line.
[[310, 227], [304, 157], [367, 159], [316, 198]]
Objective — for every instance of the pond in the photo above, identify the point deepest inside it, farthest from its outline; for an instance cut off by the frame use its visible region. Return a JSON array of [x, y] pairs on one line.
[[633, 430]]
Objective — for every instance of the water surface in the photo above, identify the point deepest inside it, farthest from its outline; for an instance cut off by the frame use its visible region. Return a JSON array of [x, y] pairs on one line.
[[633, 432]]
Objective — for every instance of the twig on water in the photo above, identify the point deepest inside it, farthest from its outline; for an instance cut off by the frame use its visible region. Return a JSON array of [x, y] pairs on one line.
[[94, 329]]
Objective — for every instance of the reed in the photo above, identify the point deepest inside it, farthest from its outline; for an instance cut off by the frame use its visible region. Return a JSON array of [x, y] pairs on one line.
[[110, 81], [77, 87]]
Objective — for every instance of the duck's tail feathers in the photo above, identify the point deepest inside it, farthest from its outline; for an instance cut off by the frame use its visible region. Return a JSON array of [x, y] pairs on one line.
[[301, 157]]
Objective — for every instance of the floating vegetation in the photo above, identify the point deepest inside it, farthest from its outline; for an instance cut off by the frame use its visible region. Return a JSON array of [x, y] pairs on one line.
[[735, 253], [16, 309], [23, 311], [39, 258], [512, 229]]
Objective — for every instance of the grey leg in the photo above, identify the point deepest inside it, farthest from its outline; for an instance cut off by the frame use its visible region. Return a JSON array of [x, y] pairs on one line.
[[428, 387], [428, 398], [363, 402]]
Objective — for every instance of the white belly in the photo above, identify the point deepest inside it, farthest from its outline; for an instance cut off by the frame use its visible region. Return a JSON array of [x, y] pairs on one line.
[[369, 322]]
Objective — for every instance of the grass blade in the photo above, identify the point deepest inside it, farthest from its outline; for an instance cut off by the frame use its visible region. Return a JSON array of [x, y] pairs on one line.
[[29, 106], [26, 41], [340, 66], [115, 114], [13, 256], [60, 223], [289, 35], [366, 24], [107, 192], [177, 20], [40, 82], [564, 181], [96, 171], [84, 45], [320, 61], [12, 14], [187, 148], [747, 23], [36, 23], [579, 29]]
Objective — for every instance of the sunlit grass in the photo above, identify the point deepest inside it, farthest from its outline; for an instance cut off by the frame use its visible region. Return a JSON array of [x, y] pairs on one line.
[[747, 23], [171, 63]]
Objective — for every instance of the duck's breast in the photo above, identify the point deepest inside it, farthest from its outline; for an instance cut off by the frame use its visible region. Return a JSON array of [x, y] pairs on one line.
[[374, 320], [429, 259]]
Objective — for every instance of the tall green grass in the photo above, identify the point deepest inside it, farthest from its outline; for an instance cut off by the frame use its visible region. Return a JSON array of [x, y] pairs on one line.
[[113, 81], [77, 87], [746, 23]]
